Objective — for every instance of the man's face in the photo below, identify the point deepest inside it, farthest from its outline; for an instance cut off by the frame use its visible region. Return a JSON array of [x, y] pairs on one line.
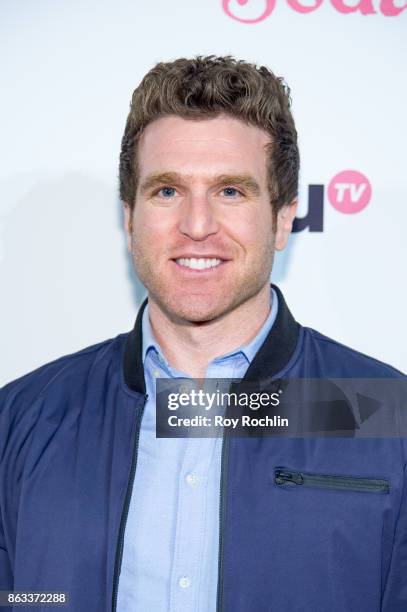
[[202, 234]]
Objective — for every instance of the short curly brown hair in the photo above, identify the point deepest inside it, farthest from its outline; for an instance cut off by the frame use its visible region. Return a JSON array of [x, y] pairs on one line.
[[204, 87]]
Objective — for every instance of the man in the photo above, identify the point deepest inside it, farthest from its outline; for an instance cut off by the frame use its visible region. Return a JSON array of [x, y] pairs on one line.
[[92, 502]]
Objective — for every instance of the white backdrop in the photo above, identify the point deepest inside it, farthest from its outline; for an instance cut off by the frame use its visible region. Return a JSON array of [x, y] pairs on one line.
[[68, 71]]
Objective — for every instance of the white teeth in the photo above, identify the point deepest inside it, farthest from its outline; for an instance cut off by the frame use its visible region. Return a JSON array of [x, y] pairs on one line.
[[198, 264]]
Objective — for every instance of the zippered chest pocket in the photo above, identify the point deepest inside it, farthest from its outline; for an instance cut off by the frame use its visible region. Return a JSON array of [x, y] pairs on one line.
[[286, 477]]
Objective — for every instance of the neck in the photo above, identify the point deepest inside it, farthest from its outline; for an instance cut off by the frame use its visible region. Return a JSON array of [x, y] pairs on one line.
[[190, 347]]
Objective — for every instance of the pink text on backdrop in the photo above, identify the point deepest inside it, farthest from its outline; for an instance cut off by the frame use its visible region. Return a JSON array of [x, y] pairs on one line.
[[388, 8], [349, 192]]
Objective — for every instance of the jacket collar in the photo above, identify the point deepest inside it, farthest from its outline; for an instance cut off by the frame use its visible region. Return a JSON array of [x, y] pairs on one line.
[[272, 356]]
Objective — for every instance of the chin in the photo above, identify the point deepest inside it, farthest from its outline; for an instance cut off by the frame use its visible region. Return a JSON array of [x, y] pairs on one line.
[[199, 308], [204, 305], [195, 312]]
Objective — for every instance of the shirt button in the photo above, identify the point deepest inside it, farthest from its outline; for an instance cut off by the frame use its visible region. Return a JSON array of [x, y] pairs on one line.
[[156, 373], [191, 479], [184, 582]]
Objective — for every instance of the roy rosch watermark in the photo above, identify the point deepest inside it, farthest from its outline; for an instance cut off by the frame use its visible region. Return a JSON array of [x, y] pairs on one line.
[[290, 407]]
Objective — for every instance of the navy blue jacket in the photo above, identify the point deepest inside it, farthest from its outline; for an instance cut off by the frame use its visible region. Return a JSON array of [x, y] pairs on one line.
[[68, 454]]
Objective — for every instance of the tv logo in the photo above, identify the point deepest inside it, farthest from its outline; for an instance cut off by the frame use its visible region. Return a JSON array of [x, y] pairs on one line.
[[263, 8], [349, 192]]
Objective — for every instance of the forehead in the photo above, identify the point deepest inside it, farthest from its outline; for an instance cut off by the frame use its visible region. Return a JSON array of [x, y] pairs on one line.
[[219, 144]]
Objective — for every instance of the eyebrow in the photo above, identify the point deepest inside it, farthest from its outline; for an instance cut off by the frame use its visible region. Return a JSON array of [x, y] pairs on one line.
[[173, 178]]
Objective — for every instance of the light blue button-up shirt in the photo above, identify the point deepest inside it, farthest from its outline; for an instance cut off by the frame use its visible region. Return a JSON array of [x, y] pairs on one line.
[[170, 555]]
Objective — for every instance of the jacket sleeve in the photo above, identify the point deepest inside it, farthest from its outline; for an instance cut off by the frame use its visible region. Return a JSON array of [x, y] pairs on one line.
[[395, 593], [6, 574], [18, 416]]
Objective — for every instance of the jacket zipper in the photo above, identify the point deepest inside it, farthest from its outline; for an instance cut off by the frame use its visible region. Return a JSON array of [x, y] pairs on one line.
[[123, 519], [222, 510], [284, 476]]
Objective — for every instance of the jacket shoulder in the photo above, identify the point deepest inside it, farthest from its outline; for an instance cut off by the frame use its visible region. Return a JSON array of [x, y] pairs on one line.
[[341, 360], [27, 388]]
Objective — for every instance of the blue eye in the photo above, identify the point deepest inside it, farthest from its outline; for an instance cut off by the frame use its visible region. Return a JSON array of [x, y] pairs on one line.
[[231, 191], [167, 192]]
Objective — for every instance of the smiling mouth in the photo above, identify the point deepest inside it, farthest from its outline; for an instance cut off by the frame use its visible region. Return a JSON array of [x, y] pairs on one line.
[[199, 263]]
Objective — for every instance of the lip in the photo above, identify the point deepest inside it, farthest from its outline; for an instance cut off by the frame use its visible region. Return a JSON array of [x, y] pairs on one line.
[[200, 256]]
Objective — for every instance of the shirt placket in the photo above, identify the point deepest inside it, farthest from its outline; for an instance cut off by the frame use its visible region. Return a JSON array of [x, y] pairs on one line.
[[186, 584], [189, 541]]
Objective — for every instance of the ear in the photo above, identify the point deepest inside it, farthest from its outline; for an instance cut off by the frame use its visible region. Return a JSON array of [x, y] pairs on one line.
[[285, 219], [128, 223]]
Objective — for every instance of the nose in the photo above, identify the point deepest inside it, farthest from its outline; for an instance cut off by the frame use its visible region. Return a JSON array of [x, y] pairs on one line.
[[198, 219]]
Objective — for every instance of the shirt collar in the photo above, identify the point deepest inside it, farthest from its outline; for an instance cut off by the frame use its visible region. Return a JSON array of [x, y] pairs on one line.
[[149, 341], [249, 350], [272, 358]]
